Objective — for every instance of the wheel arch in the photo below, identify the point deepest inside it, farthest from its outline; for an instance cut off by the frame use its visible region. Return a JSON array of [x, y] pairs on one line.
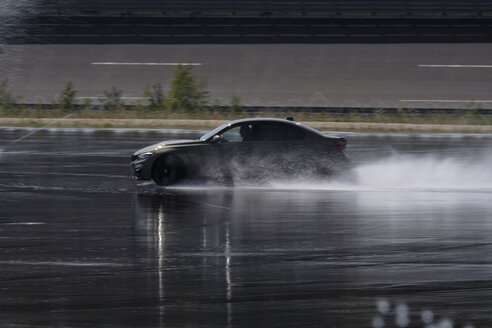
[[177, 160]]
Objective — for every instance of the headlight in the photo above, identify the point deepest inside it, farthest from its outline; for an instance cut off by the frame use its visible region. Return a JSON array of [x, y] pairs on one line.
[[143, 156]]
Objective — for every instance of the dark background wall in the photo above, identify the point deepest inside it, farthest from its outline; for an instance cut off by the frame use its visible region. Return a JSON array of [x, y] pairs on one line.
[[240, 21], [324, 8]]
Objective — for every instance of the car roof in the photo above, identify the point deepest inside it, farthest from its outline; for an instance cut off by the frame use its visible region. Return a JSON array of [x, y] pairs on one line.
[[276, 120], [265, 119]]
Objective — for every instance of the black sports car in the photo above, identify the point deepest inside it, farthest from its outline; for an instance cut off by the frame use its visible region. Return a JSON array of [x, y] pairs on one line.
[[255, 148]]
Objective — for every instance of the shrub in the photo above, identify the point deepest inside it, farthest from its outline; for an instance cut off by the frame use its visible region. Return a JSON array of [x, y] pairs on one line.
[[67, 100], [235, 107], [112, 99], [186, 92], [7, 100], [155, 96]]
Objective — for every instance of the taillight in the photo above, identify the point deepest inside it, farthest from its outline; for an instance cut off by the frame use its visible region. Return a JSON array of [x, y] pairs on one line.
[[340, 145]]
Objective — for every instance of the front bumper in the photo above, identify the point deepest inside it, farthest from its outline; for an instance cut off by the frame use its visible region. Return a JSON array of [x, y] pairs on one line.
[[136, 169], [140, 165]]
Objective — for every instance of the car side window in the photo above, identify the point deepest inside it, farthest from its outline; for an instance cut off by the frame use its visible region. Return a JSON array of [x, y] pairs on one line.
[[263, 132], [277, 132], [232, 135], [239, 133]]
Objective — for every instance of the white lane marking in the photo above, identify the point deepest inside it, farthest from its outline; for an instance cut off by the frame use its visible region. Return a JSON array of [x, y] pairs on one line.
[[65, 263], [23, 223], [102, 97], [446, 101], [457, 66], [145, 64]]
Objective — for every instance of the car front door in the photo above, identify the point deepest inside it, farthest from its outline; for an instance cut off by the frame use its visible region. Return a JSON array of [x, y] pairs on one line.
[[230, 151]]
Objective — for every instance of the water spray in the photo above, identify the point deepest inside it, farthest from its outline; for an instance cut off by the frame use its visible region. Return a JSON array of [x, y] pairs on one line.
[[406, 173]]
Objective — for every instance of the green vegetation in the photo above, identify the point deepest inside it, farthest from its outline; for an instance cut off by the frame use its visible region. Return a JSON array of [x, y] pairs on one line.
[[235, 107], [155, 97], [67, 100], [112, 100], [186, 94], [7, 100]]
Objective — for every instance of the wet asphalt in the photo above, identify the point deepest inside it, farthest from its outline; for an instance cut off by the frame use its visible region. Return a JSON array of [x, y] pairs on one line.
[[84, 245]]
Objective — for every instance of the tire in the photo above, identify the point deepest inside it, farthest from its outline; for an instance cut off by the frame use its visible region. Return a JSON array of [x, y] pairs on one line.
[[167, 170]]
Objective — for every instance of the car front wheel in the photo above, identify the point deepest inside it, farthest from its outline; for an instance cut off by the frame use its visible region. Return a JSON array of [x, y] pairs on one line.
[[167, 170]]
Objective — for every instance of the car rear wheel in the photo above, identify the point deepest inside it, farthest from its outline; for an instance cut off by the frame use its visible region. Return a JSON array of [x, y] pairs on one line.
[[167, 170]]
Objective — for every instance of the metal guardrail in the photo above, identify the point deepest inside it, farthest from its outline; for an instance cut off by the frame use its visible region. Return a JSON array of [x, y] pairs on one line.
[[325, 8], [217, 30]]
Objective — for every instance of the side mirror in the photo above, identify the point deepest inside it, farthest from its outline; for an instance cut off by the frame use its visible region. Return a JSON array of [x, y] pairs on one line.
[[217, 139]]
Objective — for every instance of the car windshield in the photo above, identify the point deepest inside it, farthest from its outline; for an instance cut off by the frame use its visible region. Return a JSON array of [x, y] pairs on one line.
[[213, 132]]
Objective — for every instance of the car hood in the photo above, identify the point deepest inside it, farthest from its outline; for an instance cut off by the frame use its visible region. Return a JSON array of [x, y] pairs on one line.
[[168, 143]]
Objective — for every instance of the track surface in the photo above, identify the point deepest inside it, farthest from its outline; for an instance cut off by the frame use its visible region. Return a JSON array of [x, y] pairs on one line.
[[83, 245], [306, 75]]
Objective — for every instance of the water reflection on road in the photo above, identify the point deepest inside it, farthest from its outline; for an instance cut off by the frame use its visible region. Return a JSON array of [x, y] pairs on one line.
[[276, 256], [409, 243]]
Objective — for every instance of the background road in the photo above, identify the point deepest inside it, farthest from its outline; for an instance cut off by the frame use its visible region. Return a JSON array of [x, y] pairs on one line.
[[307, 75]]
